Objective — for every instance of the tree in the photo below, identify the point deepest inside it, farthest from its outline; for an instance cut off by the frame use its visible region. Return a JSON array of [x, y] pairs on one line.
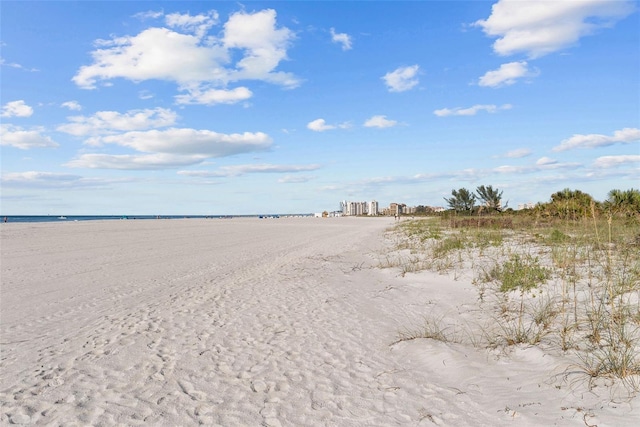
[[490, 197], [462, 200], [571, 204], [623, 202]]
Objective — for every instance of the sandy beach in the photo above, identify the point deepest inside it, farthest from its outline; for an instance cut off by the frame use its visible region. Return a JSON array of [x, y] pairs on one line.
[[254, 322]]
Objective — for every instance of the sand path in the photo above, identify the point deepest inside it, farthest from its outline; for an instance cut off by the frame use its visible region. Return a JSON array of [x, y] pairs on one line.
[[240, 322]]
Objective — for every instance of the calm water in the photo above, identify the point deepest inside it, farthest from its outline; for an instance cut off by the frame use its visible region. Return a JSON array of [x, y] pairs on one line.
[[53, 218]]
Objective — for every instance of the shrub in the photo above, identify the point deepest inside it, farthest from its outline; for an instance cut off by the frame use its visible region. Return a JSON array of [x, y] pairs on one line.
[[520, 272]]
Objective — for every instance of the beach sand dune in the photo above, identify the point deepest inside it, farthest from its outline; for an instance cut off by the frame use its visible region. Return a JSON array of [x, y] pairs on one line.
[[243, 322]]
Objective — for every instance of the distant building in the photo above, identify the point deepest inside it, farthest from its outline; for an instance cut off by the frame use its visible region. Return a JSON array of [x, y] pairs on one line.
[[373, 208], [349, 208], [396, 209], [527, 205]]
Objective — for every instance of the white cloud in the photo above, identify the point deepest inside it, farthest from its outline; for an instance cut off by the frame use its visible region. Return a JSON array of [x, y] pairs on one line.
[[471, 111], [542, 164], [380, 122], [264, 46], [215, 96], [237, 170], [518, 153], [112, 121], [72, 105], [196, 62], [506, 75], [605, 162], [150, 14], [15, 65], [538, 28], [16, 109], [145, 94], [187, 141], [155, 53], [341, 38], [198, 24], [39, 179], [546, 161], [319, 125], [134, 162], [402, 79], [295, 179], [18, 137], [623, 136], [36, 176]]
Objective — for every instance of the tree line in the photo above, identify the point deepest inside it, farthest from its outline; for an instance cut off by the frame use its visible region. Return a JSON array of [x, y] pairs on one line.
[[567, 203]]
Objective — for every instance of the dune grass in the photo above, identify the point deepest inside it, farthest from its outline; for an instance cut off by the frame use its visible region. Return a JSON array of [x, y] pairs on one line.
[[572, 285]]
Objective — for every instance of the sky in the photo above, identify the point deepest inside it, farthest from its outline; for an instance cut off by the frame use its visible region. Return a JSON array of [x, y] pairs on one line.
[[223, 108]]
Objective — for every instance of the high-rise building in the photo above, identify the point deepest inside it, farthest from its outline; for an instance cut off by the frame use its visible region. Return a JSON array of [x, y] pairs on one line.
[[373, 208]]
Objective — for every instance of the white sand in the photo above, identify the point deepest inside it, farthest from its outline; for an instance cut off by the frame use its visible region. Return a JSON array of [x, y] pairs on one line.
[[250, 322]]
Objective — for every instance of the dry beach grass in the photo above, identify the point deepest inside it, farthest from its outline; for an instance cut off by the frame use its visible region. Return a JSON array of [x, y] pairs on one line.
[[565, 286], [292, 322]]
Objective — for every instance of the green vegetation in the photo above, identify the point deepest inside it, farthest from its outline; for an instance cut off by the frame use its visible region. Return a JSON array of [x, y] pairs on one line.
[[520, 272], [564, 275]]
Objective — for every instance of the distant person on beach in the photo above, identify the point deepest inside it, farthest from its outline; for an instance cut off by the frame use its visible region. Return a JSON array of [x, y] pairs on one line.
[[5, 219]]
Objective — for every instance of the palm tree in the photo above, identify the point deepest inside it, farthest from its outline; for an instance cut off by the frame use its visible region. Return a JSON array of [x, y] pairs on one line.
[[625, 202], [491, 198], [462, 200], [571, 204]]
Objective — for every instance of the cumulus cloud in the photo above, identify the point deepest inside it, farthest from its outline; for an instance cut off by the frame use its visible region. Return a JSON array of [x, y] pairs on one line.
[[546, 161], [149, 14], [319, 125], [606, 162], [471, 111], [506, 75], [24, 139], [16, 109], [518, 153], [379, 122], [622, 136], [402, 79], [264, 46], [134, 161], [112, 121], [185, 141], [214, 96], [342, 38], [237, 170], [251, 47], [197, 24], [538, 28], [72, 105]]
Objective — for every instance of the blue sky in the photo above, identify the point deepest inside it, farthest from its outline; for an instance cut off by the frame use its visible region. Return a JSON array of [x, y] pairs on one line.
[[290, 107]]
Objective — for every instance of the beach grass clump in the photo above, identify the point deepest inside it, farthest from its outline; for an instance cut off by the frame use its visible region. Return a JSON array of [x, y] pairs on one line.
[[487, 238], [434, 329], [616, 356], [521, 272], [448, 244], [556, 236]]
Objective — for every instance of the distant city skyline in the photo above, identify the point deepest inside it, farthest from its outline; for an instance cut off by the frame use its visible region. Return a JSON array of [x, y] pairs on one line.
[[226, 108]]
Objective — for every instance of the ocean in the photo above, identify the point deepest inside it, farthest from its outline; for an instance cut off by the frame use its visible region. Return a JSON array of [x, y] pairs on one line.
[[54, 218]]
